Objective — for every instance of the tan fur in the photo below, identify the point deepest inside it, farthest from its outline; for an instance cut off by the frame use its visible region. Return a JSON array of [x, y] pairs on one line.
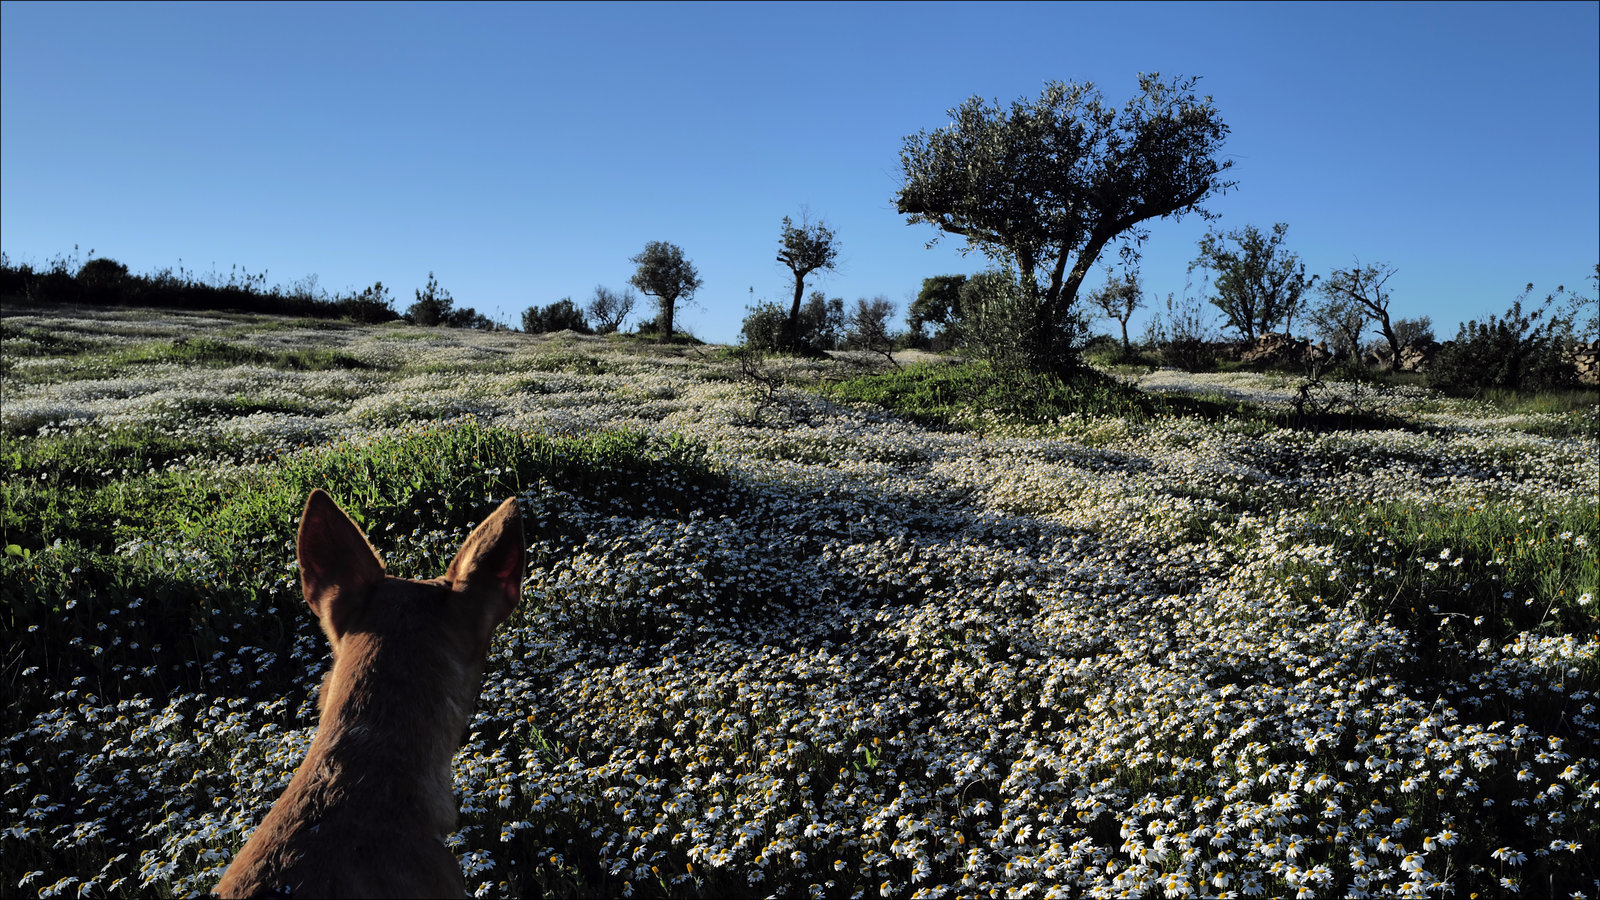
[[367, 811]]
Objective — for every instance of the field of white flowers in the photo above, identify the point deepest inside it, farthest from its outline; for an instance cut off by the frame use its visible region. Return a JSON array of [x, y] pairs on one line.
[[770, 644]]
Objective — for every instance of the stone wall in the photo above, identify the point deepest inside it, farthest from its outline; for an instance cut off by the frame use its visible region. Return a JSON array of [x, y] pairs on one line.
[[1586, 358]]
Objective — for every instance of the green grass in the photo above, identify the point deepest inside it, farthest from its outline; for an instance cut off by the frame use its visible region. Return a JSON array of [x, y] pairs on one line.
[[97, 539], [974, 397], [209, 352], [948, 395], [1455, 575], [21, 342]]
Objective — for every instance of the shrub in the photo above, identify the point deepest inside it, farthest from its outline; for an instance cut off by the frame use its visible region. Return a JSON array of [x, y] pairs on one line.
[[1524, 351], [561, 315], [1186, 336], [822, 322]]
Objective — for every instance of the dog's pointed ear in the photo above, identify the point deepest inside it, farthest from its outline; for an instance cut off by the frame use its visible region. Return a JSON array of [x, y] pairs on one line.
[[338, 568], [490, 564]]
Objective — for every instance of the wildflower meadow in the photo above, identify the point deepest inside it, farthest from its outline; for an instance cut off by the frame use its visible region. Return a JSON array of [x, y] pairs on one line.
[[779, 640]]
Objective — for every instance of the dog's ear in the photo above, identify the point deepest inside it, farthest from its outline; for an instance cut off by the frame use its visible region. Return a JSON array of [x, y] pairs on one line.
[[490, 563], [338, 568]]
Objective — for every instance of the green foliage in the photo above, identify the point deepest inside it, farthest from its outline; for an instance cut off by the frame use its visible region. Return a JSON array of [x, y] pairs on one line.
[[1522, 351], [436, 308], [821, 326], [938, 303], [764, 327], [868, 326], [1455, 575], [370, 306], [804, 248], [79, 508], [972, 396], [210, 352], [103, 281], [997, 320], [1045, 186], [1258, 284], [665, 274], [561, 315], [1117, 299]]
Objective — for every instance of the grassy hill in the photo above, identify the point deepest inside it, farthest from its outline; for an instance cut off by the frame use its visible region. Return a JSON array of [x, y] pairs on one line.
[[802, 626]]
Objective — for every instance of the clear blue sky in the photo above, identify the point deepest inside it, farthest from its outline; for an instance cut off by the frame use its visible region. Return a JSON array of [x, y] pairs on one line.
[[524, 152]]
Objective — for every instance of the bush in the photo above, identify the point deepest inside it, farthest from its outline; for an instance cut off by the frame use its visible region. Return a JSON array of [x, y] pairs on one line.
[[822, 324], [561, 315], [1523, 351], [372, 306], [1186, 336], [763, 328]]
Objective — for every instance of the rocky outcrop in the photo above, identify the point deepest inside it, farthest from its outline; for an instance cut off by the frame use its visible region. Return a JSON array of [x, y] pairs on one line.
[[1274, 349]]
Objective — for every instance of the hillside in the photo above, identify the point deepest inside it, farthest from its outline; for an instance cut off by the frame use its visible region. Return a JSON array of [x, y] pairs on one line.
[[775, 643]]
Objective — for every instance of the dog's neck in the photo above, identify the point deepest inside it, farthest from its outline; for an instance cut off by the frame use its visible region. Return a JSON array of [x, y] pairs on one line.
[[388, 732]]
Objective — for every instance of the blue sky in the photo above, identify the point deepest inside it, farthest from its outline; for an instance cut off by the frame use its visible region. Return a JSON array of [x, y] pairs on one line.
[[524, 152]]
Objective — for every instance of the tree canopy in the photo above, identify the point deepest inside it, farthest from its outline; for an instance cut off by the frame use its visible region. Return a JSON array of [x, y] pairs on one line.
[[665, 274], [804, 248], [1258, 283], [1046, 185]]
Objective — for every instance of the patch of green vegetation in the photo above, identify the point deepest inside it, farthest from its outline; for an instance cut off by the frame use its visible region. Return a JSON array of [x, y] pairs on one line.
[[574, 363], [1581, 405], [1455, 575], [211, 352], [17, 341], [193, 547], [959, 396]]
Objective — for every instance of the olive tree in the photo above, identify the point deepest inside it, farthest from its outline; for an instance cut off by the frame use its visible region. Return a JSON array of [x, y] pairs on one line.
[[664, 273], [804, 248], [1045, 186], [1257, 283], [938, 302]]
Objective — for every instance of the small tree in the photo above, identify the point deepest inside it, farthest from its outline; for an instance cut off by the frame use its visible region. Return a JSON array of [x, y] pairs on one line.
[[764, 327], [997, 318], [1047, 185], [1117, 299], [1411, 332], [609, 309], [822, 323], [868, 327], [1364, 288], [562, 315], [939, 302], [1338, 322], [1258, 283], [804, 248], [434, 305], [821, 326], [664, 273]]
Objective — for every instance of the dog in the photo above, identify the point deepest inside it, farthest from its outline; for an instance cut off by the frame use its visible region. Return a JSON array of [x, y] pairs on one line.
[[367, 812]]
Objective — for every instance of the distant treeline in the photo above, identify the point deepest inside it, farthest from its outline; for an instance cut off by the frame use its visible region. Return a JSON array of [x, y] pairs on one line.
[[106, 282]]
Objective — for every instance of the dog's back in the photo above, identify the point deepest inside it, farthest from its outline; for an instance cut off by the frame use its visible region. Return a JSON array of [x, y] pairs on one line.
[[367, 811]]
